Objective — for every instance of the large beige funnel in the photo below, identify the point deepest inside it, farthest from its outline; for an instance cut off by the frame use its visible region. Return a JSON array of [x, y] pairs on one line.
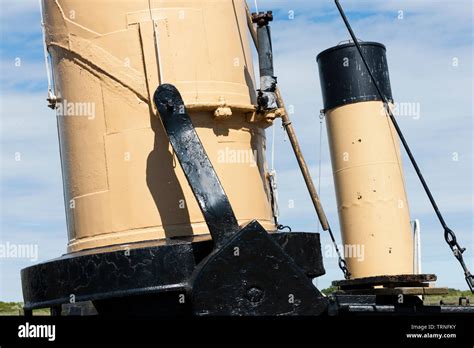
[[122, 182]]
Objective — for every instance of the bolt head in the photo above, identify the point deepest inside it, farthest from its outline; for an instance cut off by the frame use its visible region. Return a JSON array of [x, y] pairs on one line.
[[255, 294]]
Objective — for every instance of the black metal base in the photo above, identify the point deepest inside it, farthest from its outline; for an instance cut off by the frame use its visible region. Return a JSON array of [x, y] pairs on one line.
[[386, 280], [145, 278], [370, 304], [399, 294]]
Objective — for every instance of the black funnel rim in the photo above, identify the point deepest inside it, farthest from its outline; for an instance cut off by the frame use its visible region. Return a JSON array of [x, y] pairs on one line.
[[351, 44]]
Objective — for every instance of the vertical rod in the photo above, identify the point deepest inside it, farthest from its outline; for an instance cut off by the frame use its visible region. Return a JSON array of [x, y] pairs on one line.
[[416, 247]]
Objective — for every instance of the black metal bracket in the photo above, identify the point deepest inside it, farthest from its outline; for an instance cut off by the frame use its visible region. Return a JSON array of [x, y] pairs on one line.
[[199, 172], [247, 273], [262, 18], [145, 278], [252, 275]]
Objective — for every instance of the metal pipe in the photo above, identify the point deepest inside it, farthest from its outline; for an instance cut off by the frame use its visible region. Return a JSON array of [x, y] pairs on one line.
[[294, 142], [365, 156], [416, 247]]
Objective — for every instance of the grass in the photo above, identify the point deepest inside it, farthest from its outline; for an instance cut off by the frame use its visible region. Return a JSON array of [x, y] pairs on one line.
[[16, 308], [451, 298]]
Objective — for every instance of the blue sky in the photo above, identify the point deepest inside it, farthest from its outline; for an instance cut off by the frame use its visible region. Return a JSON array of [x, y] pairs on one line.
[[420, 50]]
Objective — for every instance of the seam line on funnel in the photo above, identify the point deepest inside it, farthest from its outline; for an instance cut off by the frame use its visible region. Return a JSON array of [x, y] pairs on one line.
[[364, 165]]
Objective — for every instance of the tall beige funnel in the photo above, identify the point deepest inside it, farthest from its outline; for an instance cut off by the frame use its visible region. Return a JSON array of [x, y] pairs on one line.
[[122, 182], [365, 154]]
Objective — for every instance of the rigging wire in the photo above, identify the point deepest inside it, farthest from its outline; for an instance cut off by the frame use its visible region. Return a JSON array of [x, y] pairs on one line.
[[52, 99], [154, 21], [321, 117]]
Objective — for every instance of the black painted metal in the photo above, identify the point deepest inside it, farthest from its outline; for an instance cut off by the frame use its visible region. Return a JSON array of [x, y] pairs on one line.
[[142, 272], [366, 304], [265, 55], [252, 275], [266, 99], [304, 249], [397, 279], [98, 274], [199, 172], [343, 78]]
